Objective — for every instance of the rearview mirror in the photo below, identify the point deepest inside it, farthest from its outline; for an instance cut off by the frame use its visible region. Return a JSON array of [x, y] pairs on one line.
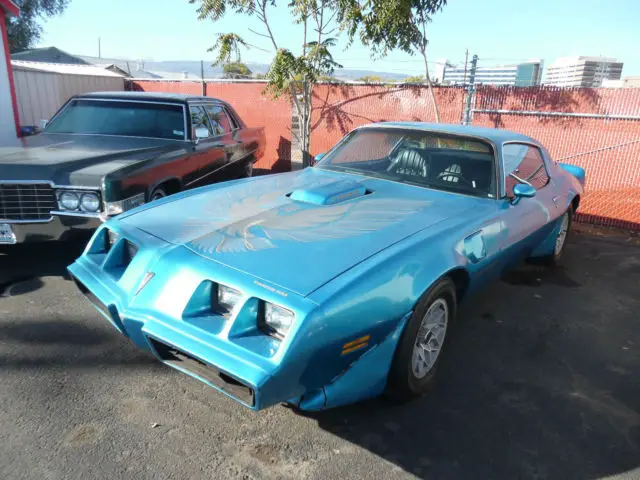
[[523, 190]]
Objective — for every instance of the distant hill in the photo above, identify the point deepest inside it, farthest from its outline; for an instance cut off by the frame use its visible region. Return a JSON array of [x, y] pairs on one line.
[[189, 69]]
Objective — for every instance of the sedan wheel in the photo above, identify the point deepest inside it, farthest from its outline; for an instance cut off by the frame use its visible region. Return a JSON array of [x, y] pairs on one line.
[[248, 170], [157, 194]]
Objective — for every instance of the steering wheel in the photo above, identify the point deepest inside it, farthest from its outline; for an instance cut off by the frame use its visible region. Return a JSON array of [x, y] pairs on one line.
[[456, 175]]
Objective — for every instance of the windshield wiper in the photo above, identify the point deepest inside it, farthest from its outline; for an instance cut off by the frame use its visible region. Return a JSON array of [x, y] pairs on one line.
[[365, 173]]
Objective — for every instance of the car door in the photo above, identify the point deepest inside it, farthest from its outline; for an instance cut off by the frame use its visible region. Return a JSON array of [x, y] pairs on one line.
[[528, 220], [208, 155], [228, 138]]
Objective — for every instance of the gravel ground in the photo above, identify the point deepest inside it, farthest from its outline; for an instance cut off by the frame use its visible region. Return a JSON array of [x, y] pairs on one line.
[[542, 381]]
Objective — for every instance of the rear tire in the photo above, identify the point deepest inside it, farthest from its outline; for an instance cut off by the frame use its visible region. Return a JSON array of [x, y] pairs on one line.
[[423, 342], [566, 222]]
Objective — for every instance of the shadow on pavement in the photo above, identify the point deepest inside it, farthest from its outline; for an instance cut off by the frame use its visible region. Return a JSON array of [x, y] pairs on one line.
[[542, 380], [22, 266]]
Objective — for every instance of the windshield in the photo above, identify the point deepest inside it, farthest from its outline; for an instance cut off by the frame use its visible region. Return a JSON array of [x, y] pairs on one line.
[[122, 118], [428, 159]]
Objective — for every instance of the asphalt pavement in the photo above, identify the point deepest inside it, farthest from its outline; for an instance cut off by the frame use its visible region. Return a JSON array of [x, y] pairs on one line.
[[542, 380]]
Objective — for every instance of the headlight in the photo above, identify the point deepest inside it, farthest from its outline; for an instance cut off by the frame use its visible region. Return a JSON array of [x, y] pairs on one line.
[[115, 208], [277, 319], [68, 201], [90, 202], [228, 297]]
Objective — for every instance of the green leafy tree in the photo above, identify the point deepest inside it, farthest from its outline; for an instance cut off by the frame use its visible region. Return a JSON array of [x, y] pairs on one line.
[[236, 70], [290, 73], [370, 79], [414, 79], [25, 31], [387, 25]]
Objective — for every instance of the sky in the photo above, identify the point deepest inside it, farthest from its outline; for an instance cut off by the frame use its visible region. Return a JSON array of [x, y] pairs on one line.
[[498, 31]]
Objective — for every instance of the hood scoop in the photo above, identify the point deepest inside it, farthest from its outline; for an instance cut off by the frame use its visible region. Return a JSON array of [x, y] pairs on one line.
[[330, 194]]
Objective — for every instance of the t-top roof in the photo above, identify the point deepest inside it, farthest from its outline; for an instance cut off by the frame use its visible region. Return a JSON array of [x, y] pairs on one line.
[[494, 135]]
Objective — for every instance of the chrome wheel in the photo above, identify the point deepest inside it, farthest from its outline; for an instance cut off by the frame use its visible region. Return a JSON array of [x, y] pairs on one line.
[[430, 338], [562, 234], [158, 194]]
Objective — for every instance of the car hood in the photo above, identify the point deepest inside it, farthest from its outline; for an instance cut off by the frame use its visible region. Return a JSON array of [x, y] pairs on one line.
[[297, 230], [76, 159]]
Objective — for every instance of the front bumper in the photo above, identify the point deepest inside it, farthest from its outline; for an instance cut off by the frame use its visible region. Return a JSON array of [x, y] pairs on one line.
[[58, 228], [227, 353], [181, 345]]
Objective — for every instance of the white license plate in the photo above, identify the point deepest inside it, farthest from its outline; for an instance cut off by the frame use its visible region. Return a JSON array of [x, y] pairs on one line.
[[6, 234]]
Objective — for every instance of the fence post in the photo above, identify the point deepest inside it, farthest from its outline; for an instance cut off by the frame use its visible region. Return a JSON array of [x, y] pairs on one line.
[[471, 88], [204, 84]]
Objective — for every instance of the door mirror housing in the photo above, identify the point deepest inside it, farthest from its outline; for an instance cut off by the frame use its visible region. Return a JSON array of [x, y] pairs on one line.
[[200, 133], [43, 124], [317, 158], [523, 190]]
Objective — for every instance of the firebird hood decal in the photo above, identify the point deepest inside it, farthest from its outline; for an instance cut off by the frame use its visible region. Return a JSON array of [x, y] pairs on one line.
[[255, 227], [294, 223]]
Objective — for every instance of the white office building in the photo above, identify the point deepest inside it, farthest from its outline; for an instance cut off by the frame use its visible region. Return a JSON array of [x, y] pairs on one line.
[[583, 71], [524, 74]]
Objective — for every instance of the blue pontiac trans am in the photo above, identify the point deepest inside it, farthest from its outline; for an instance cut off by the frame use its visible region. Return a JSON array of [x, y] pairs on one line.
[[339, 282]]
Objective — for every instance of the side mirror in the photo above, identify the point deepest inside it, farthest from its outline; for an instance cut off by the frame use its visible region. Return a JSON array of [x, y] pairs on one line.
[[200, 133], [43, 124], [523, 190], [317, 158]]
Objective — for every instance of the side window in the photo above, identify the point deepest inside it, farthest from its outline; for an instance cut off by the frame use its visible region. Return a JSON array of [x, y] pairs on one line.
[[219, 119], [232, 119], [524, 162], [198, 119]]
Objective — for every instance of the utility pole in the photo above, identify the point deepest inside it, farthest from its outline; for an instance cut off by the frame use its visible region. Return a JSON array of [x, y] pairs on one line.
[[204, 84], [464, 79], [466, 119], [99, 48], [466, 59]]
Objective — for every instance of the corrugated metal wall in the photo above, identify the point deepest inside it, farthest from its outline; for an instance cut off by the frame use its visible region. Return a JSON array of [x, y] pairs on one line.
[[41, 94], [7, 121]]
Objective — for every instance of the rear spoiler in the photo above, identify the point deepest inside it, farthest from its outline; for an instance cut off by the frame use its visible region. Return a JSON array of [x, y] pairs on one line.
[[574, 170]]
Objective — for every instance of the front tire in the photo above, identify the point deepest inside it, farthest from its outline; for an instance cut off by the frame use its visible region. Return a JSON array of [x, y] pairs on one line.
[[157, 194], [420, 350], [248, 169]]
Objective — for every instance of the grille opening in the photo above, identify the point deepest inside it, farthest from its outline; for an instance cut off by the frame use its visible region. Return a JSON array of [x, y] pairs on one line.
[[27, 201], [209, 373], [119, 257], [104, 309]]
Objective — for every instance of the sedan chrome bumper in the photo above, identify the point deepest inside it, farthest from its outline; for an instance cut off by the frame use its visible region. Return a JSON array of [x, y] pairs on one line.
[[59, 227]]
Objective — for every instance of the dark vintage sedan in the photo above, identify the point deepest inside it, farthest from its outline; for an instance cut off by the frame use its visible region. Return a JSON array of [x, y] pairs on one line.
[[105, 153]]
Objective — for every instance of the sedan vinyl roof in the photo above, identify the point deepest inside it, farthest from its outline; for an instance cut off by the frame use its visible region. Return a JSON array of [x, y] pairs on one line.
[[150, 96]]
